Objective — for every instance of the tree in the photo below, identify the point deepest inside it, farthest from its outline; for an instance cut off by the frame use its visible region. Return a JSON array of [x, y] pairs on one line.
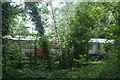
[[9, 13], [37, 19], [66, 56], [20, 29], [55, 23], [80, 25]]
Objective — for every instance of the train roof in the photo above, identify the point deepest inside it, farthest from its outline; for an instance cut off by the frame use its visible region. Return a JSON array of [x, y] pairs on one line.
[[93, 40], [21, 37], [99, 40]]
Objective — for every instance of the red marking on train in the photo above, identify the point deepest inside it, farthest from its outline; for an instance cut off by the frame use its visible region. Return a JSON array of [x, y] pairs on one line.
[[40, 52]]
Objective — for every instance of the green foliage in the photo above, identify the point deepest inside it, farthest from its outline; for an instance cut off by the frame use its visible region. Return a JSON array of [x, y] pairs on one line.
[[36, 18], [45, 48], [89, 20], [17, 54], [80, 26], [7, 17], [81, 60], [20, 28], [110, 68]]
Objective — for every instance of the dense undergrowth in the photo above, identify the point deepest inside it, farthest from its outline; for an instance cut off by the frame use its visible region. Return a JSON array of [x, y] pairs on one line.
[[107, 70]]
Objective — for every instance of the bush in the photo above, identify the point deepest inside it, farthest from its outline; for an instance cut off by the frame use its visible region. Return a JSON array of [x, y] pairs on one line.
[[110, 68]]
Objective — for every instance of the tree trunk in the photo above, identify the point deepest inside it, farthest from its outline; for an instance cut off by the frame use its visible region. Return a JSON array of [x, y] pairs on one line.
[[67, 32], [19, 60], [55, 23], [56, 29], [35, 56], [68, 55], [47, 55]]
